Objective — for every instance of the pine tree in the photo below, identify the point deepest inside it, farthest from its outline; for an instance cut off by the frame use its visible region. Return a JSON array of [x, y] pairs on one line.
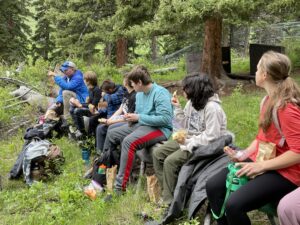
[[14, 32], [73, 33], [43, 44]]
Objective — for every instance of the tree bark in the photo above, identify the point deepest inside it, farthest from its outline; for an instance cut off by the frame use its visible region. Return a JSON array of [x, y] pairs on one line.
[[211, 63], [122, 52], [153, 48]]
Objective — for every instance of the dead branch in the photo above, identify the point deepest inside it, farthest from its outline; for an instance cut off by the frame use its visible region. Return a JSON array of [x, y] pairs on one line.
[[17, 103], [18, 82], [19, 126], [19, 96]]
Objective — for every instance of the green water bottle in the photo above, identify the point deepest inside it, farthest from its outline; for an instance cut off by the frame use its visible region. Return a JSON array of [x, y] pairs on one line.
[[234, 182]]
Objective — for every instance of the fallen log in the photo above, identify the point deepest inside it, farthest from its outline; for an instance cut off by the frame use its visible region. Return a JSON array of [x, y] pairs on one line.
[[32, 98]]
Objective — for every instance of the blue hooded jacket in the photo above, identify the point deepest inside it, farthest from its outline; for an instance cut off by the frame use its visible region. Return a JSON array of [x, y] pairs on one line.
[[75, 84]]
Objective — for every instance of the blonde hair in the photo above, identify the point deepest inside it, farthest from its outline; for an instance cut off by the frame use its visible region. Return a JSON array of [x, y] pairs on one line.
[[91, 78], [278, 68]]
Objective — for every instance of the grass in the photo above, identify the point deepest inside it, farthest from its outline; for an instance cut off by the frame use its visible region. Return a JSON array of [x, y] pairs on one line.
[[61, 200]]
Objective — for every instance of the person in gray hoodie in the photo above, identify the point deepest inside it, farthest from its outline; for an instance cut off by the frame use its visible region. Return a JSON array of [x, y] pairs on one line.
[[202, 120]]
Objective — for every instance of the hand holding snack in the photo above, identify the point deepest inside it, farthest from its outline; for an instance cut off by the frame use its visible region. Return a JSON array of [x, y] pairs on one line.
[[235, 156], [180, 136], [102, 120], [92, 108], [175, 100]]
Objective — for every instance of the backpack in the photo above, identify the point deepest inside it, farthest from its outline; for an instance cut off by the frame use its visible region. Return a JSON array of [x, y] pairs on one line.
[[45, 167], [108, 159]]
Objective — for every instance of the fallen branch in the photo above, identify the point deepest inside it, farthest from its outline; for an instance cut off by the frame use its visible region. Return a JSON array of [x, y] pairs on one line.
[[164, 70], [18, 82], [18, 96], [12, 105], [19, 126]]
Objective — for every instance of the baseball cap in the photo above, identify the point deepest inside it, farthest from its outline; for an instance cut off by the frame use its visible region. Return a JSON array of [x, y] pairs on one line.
[[66, 65]]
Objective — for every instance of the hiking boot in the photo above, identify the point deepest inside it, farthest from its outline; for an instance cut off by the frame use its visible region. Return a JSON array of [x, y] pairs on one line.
[[64, 124]]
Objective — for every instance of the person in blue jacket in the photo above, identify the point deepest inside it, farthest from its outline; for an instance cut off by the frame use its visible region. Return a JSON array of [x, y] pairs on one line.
[[149, 124], [71, 85]]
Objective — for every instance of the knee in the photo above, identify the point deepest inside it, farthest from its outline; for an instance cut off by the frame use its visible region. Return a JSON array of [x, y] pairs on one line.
[[284, 208], [156, 154], [100, 130], [211, 187], [129, 142], [170, 162], [67, 93]]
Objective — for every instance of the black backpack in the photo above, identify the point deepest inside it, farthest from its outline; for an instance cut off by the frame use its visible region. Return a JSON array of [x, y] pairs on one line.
[[108, 159]]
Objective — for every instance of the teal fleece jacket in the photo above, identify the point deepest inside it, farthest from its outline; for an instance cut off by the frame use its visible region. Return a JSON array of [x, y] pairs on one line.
[[155, 109]]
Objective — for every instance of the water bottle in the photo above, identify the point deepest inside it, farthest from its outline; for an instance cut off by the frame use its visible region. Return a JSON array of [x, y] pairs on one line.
[[85, 153]]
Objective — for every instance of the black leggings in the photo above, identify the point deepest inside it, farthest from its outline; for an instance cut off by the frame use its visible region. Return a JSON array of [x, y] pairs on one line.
[[265, 188]]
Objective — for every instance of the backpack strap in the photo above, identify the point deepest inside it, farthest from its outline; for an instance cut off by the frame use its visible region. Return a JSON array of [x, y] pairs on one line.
[[277, 125], [275, 120]]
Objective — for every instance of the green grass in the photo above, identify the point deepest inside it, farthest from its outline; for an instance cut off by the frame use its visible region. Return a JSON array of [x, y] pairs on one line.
[[61, 200]]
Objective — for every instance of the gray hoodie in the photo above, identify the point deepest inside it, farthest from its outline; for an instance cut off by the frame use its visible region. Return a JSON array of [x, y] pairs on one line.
[[203, 126]]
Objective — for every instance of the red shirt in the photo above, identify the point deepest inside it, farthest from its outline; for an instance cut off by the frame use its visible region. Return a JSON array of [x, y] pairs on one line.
[[289, 120]]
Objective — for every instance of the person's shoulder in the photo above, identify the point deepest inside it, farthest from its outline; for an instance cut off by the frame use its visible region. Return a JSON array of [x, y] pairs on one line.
[[78, 73], [290, 110], [161, 89]]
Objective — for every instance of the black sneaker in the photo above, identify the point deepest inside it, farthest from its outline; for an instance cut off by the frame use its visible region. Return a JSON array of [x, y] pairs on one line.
[[64, 124]]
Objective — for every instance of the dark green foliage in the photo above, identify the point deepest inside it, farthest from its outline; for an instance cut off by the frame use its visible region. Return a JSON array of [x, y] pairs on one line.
[[14, 31], [43, 44]]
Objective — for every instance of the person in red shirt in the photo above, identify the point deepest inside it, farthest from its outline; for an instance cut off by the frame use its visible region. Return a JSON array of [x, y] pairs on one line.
[[272, 161]]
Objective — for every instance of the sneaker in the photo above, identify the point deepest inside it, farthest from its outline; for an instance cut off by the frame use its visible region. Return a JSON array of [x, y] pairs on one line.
[[64, 124]]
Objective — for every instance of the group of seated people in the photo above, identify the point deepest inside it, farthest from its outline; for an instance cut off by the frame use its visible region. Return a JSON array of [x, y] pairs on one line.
[[144, 113]]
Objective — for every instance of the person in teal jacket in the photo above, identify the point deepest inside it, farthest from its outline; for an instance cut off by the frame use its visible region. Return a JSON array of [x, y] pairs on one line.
[[151, 123], [71, 85]]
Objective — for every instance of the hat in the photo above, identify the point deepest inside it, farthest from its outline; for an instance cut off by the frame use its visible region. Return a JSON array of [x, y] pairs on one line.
[[66, 65]]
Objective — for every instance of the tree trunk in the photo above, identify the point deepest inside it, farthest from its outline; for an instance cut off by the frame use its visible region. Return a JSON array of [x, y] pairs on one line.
[[121, 52], [107, 51], [212, 53], [153, 48]]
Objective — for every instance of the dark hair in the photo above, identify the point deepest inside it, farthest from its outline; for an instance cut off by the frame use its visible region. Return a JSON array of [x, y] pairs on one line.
[[126, 81], [107, 84], [91, 78], [198, 88], [139, 73]]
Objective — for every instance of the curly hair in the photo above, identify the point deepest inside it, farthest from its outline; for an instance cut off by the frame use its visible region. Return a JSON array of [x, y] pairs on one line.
[[198, 88]]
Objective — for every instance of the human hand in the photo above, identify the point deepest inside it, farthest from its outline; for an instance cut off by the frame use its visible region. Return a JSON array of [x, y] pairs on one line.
[[250, 169], [58, 104], [102, 105], [235, 156], [75, 102], [132, 117], [102, 120], [175, 102], [51, 73], [92, 108]]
